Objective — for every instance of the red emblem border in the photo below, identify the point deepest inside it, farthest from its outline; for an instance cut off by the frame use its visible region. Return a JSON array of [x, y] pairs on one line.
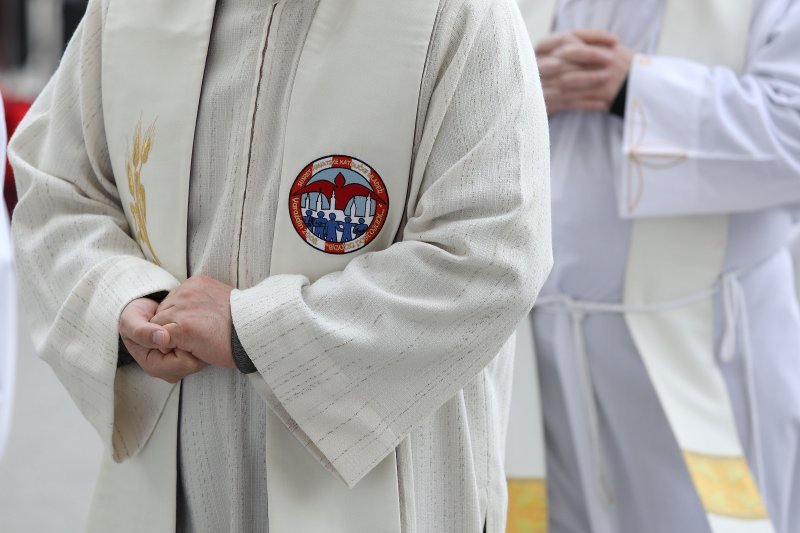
[[345, 162]]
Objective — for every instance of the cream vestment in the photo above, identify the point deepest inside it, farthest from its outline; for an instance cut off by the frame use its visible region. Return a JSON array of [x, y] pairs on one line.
[[377, 359]]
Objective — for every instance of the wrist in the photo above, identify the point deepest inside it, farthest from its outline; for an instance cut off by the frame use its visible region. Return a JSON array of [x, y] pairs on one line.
[[240, 358], [124, 356], [617, 106], [157, 296]]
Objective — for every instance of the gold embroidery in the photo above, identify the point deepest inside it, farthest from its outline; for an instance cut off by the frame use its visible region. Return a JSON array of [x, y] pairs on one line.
[[527, 506], [135, 158], [641, 157], [726, 486]]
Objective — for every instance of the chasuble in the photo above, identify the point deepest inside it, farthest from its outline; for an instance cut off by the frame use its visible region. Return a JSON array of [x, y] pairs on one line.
[[420, 330]]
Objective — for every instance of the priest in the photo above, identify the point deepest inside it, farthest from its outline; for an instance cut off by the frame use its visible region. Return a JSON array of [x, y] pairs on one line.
[[667, 336], [247, 370]]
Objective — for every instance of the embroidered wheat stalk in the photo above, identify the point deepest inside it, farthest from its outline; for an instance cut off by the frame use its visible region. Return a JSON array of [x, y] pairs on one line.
[[136, 157]]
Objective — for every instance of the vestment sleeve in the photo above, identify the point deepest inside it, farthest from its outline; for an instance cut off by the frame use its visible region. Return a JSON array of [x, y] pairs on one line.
[[358, 358], [77, 263], [705, 140]]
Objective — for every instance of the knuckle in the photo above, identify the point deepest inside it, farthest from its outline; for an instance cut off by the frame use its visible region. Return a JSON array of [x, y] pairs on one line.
[[140, 335], [569, 49], [604, 57], [136, 351], [199, 279], [176, 330]]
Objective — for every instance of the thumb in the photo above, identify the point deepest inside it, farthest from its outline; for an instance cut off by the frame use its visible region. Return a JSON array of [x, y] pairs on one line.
[[177, 337], [144, 333]]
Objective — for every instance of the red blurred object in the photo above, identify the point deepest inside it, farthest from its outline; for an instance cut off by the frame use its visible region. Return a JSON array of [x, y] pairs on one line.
[[15, 111]]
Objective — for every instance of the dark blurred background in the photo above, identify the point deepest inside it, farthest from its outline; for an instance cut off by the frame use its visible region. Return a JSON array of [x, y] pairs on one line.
[[33, 35], [51, 463]]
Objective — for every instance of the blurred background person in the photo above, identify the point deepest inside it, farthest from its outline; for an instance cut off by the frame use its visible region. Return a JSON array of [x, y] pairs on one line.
[[50, 461], [668, 335], [8, 307]]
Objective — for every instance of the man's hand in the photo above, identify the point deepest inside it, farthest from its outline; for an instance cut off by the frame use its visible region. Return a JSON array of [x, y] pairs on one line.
[[582, 70], [148, 343], [197, 316]]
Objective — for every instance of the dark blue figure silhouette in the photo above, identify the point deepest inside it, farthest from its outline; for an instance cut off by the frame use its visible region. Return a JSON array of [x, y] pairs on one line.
[[309, 220], [330, 228], [346, 228], [319, 225], [360, 228]]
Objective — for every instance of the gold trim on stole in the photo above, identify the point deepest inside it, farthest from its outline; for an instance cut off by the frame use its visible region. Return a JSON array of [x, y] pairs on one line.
[[726, 486], [527, 506]]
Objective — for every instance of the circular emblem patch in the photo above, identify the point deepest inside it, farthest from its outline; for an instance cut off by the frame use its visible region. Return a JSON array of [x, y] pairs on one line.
[[338, 204]]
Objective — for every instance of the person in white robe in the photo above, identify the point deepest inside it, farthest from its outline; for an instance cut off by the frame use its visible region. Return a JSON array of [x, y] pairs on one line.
[[436, 308], [8, 305], [713, 141]]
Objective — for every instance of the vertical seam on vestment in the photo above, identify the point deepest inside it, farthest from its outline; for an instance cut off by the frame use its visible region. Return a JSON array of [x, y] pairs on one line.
[[263, 61]]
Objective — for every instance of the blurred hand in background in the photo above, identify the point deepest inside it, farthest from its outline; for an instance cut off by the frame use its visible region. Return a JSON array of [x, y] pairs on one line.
[[582, 70]]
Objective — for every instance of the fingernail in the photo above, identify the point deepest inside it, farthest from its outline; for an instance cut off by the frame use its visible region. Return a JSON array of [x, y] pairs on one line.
[[158, 338]]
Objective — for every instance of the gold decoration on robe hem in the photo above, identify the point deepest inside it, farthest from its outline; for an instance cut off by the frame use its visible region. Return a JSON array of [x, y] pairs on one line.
[[726, 486], [135, 158], [527, 506]]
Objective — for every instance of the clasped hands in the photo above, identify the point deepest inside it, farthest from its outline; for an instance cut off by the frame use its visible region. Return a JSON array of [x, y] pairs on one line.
[[186, 332], [581, 70]]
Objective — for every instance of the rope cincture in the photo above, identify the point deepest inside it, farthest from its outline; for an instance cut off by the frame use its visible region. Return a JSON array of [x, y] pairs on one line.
[[734, 314]]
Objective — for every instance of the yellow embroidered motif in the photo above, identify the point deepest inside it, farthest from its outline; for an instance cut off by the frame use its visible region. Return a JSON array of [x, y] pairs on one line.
[[527, 506], [726, 486], [135, 159]]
